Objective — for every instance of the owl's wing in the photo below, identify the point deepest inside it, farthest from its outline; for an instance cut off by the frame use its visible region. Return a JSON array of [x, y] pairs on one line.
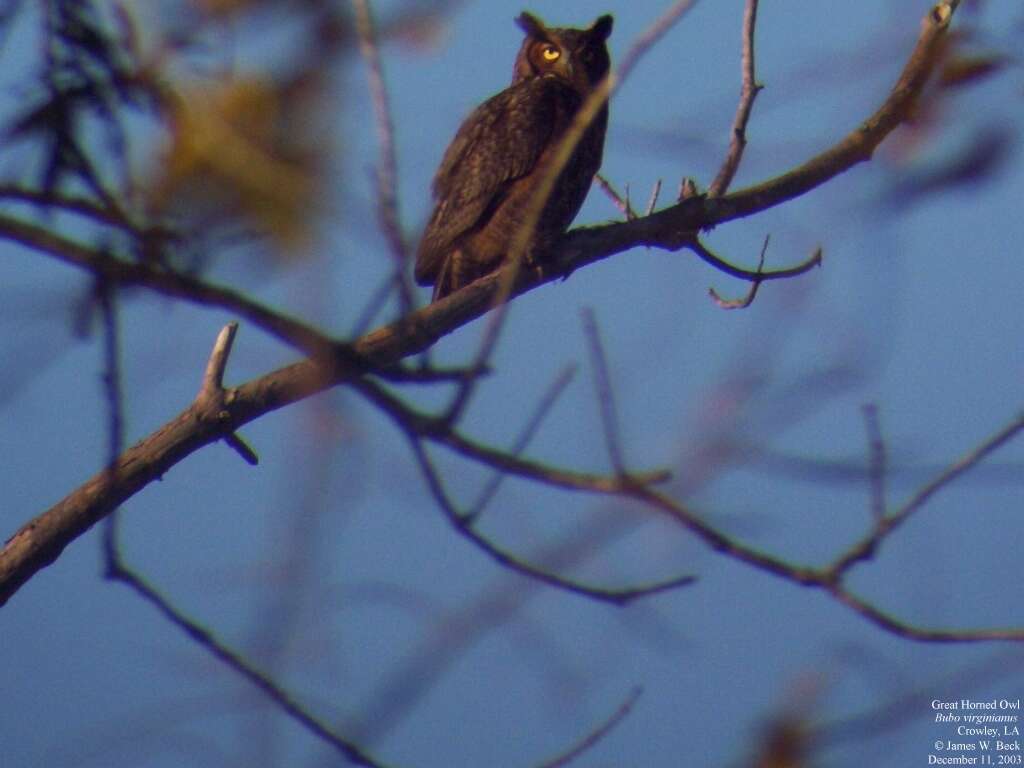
[[498, 143]]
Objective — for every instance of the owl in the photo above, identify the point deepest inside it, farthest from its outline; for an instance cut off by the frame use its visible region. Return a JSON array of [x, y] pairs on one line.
[[496, 161]]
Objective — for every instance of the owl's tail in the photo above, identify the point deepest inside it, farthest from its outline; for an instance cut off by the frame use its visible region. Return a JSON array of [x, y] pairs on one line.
[[444, 282], [458, 270]]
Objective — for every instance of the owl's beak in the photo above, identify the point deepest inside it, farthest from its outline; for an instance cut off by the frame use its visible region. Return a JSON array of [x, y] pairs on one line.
[[567, 68]]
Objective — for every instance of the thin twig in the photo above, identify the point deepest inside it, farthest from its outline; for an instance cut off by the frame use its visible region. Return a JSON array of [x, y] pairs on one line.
[[652, 201], [687, 190], [237, 443], [213, 376], [481, 362], [618, 200], [827, 579], [866, 548], [211, 393], [559, 478], [418, 428], [604, 392], [755, 276], [387, 165], [112, 371], [116, 570], [463, 526], [878, 467], [81, 206], [859, 145], [909, 631], [748, 92], [167, 282], [439, 431], [522, 442], [399, 374], [408, 680], [106, 294], [376, 302], [965, 464], [587, 742], [746, 301]]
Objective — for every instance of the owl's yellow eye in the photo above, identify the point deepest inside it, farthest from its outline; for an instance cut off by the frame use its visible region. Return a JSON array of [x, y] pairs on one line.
[[550, 53]]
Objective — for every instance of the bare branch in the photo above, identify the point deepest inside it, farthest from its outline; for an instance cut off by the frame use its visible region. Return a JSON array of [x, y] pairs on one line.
[[418, 428], [866, 548], [827, 579], [387, 166], [687, 189], [211, 393], [213, 377], [81, 206], [522, 442], [759, 275], [373, 307], [115, 401], [237, 443], [747, 300], [463, 525], [604, 393], [618, 200], [587, 742], [440, 431], [907, 630], [167, 282], [965, 464], [112, 369], [652, 201], [748, 92], [432, 375], [41, 540], [879, 463], [859, 145], [481, 362], [208, 641]]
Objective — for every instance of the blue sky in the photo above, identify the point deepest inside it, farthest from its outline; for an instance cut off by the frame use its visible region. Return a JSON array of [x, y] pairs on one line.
[[329, 563]]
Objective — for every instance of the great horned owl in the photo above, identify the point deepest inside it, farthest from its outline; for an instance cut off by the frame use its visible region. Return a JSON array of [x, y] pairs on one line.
[[492, 167]]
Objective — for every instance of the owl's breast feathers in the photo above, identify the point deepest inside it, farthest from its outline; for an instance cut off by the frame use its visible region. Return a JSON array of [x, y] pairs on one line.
[[487, 176]]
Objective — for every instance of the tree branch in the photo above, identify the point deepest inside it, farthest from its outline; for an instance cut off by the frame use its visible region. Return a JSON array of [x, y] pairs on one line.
[[603, 729], [748, 92], [332, 363], [117, 571]]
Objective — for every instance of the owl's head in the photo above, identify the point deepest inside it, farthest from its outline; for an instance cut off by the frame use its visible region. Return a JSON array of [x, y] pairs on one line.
[[578, 56]]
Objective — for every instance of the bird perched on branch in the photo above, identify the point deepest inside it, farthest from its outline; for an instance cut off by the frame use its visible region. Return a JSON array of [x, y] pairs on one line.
[[492, 169]]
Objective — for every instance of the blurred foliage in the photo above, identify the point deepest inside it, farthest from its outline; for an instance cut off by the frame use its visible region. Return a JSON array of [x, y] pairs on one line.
[[240, 148]]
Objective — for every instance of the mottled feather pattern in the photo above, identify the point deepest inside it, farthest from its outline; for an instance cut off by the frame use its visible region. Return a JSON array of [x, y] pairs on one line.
[[489, 171], [472, 176]]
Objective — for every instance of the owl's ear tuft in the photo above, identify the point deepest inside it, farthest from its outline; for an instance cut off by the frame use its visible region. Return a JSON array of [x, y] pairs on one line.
[[531, 25], [602, 28]]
